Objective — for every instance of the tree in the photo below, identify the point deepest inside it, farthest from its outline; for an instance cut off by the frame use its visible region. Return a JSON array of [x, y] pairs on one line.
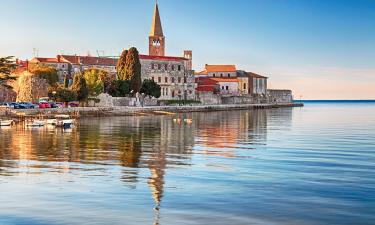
[[7, 65], [121, 73], [45, 72], [66, 81], [107, 80], [151, 88], [133, 70], [80, 87], [119, 88], [65, 95], [93, 81]]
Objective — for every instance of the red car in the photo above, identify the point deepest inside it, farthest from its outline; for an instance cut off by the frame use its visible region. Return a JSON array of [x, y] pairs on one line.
[[44, 105]]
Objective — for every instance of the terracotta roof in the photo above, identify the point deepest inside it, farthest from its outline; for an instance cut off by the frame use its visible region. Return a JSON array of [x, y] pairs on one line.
[[220, 68], [156, 28], [161, 58], [90, 60], [201, 73], [44, 60], [206, 84], [256, 75], [224, 79]]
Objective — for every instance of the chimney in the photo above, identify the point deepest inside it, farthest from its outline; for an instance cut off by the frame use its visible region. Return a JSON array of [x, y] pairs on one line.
[[58, 58]]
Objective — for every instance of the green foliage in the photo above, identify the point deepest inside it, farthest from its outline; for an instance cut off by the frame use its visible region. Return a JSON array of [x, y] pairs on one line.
[[93, 81], [66, 81], [80, 87], [133, 70], [151, 88], [64, 95], [179, 102], [121, 69], [119, 88], [7, 65], [45, 72]]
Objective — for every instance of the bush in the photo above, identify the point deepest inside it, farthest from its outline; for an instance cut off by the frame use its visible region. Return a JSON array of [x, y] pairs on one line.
[[151, 88], [64, 95], [119, 88]]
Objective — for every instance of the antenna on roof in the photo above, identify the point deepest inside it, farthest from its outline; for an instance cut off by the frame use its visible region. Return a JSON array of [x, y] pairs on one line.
[[97, 52], [35, 52]]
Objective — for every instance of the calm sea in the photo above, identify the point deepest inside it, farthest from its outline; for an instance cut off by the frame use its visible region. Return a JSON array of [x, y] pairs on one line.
[[311, 165]]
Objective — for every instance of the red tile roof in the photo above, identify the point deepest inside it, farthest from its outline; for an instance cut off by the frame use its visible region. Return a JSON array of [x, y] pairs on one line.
[[225, 79], [90, 60], [44, 60], [220, 68]]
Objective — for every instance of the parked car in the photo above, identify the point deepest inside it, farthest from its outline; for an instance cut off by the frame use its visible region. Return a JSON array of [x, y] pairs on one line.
[[60, 104], [14, 105], [73, 104], [5, 105], [44, 105], [28, 105]]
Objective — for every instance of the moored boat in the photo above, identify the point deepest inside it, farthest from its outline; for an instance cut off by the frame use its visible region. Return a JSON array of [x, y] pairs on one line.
[[6, 123], [36, 123]]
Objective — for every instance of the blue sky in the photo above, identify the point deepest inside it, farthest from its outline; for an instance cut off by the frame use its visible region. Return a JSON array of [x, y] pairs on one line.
[[320, 49]]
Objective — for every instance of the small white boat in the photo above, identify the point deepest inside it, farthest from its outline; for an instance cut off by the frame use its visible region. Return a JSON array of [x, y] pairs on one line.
[[36, 123], [6, 123], [63, 121]]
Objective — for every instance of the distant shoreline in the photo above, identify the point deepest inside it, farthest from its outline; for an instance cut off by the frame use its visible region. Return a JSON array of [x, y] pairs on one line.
[[334, 101]]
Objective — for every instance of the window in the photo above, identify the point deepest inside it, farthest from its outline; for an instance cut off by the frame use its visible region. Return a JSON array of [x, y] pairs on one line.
[[165, 67], [228, 74], [166, 79], [173, 67], [179, 80], [172, 79], [179, 67], [159, 79], [226, 87], [166, 91], [222, 87], [152, 78], [190, 92], [185, 80], [244, 86], [213, 75], [221, 75], [159, 67]]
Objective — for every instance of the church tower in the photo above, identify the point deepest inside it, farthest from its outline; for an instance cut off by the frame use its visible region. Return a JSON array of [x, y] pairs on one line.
[[156, 39]]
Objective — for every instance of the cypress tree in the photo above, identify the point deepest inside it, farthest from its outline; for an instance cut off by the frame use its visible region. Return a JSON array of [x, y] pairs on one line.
[[80, 87], [121, 69], [133, 70], [66, 81]]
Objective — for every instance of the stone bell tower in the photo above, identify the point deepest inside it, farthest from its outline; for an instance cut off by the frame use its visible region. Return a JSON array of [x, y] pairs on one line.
[[156, 39]]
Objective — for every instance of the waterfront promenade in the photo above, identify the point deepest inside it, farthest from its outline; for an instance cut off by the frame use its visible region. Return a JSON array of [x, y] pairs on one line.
[[131, 111]]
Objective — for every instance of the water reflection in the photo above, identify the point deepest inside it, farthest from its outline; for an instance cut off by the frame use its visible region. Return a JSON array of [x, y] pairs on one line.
[[132, 143]]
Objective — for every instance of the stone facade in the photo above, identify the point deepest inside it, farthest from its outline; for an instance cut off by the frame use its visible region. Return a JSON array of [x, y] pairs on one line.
[[170, 73], [30, 88], [280, 96]]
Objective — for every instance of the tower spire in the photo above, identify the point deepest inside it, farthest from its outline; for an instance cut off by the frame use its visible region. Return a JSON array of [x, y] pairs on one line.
[[156, 28]]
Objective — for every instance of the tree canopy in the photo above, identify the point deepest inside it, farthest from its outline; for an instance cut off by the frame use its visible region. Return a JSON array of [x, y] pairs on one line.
[[45, 72], [80, 87], [133, 70], [151, 88], [121, 69], [93, 81], [7, 65], [119, 88], [65, 95]]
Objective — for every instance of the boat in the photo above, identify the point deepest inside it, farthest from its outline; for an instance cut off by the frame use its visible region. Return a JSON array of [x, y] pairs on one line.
[[188, 121], [63, 121], [36, 123], [6, 123]]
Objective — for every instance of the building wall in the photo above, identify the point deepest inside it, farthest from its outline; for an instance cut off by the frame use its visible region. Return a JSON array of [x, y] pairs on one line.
[[243, 85], [280, 96], [228, 87], [260, 86], [175, 81], [222, 74]]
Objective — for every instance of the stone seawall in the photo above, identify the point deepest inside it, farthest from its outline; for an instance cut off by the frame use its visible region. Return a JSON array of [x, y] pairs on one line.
[[126, 111]]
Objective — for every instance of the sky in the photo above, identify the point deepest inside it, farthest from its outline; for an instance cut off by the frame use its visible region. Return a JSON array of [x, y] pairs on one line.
[[321, 49]]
